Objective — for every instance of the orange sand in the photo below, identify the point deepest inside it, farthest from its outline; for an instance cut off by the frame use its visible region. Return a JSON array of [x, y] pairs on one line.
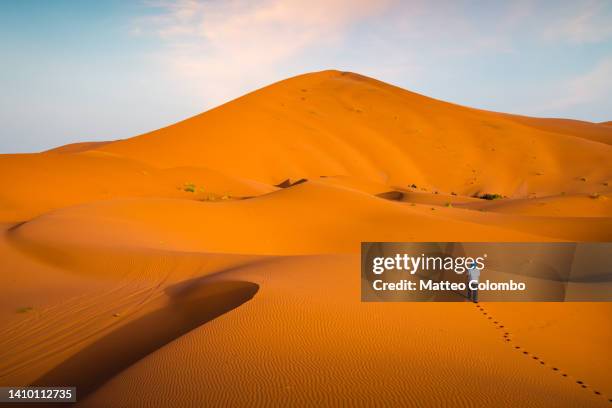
[[176, 266]]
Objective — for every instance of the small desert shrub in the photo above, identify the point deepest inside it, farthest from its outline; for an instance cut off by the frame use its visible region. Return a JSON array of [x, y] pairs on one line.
[[594, 195], [453, 193], [413, 185], [209, 197], [189, 187], [449, 204], [583, 179], [490, 196], [25, 309], [215, 197]]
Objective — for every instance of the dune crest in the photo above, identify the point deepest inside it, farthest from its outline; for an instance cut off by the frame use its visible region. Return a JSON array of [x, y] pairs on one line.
[[327, 123], [339, 123]]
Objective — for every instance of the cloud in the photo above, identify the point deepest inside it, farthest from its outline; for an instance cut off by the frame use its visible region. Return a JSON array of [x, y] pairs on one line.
[[589, 88], [582, 23], [225, 48], [233, 41], [215, 50]]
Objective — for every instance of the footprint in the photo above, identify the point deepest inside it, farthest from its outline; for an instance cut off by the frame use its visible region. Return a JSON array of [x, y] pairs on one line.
[[506, 337]]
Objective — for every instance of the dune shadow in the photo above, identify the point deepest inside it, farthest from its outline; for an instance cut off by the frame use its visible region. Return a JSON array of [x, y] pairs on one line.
[[393, 195], [288, 183], [93, 366]]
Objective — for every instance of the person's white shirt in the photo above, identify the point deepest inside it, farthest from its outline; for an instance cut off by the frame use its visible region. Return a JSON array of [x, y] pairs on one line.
[[474, 273]]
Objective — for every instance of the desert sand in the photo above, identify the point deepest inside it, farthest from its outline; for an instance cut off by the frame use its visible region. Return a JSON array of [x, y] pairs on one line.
[[216, 261]]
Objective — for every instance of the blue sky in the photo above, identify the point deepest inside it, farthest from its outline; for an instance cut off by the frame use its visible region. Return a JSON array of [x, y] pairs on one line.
[[101, 70]]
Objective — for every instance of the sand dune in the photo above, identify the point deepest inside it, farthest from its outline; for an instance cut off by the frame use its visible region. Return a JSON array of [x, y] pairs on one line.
[[37, 183], [566, 324], [333, 123], [129, 343], [575, 205], [216, 261], [592, 131], [306, 219], [77, 147], [334, 350]]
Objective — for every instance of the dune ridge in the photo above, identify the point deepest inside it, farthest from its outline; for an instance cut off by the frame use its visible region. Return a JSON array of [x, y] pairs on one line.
[[328, 123], [221, 253]]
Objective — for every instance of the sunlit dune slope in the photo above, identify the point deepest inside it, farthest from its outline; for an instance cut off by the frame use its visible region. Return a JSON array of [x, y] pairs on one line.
[[306, 339], [331, 123], [77, 147], [216, 261], [598, 132], [305, 219], [576, 205], [32, 184], [334, 124]]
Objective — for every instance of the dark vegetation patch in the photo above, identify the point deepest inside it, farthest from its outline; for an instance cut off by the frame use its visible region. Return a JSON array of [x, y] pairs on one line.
[[489, 196]]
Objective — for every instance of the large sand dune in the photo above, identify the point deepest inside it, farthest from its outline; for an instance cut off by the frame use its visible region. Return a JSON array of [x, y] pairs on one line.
[[216, 261]]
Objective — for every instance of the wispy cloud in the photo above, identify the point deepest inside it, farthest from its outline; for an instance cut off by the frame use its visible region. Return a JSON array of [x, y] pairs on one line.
[[580, 23], [221, 49], [121, 69], [220, 45], [589, 88]]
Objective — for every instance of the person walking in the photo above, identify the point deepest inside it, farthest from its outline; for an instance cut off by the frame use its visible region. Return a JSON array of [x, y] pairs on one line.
[[473, 276]]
